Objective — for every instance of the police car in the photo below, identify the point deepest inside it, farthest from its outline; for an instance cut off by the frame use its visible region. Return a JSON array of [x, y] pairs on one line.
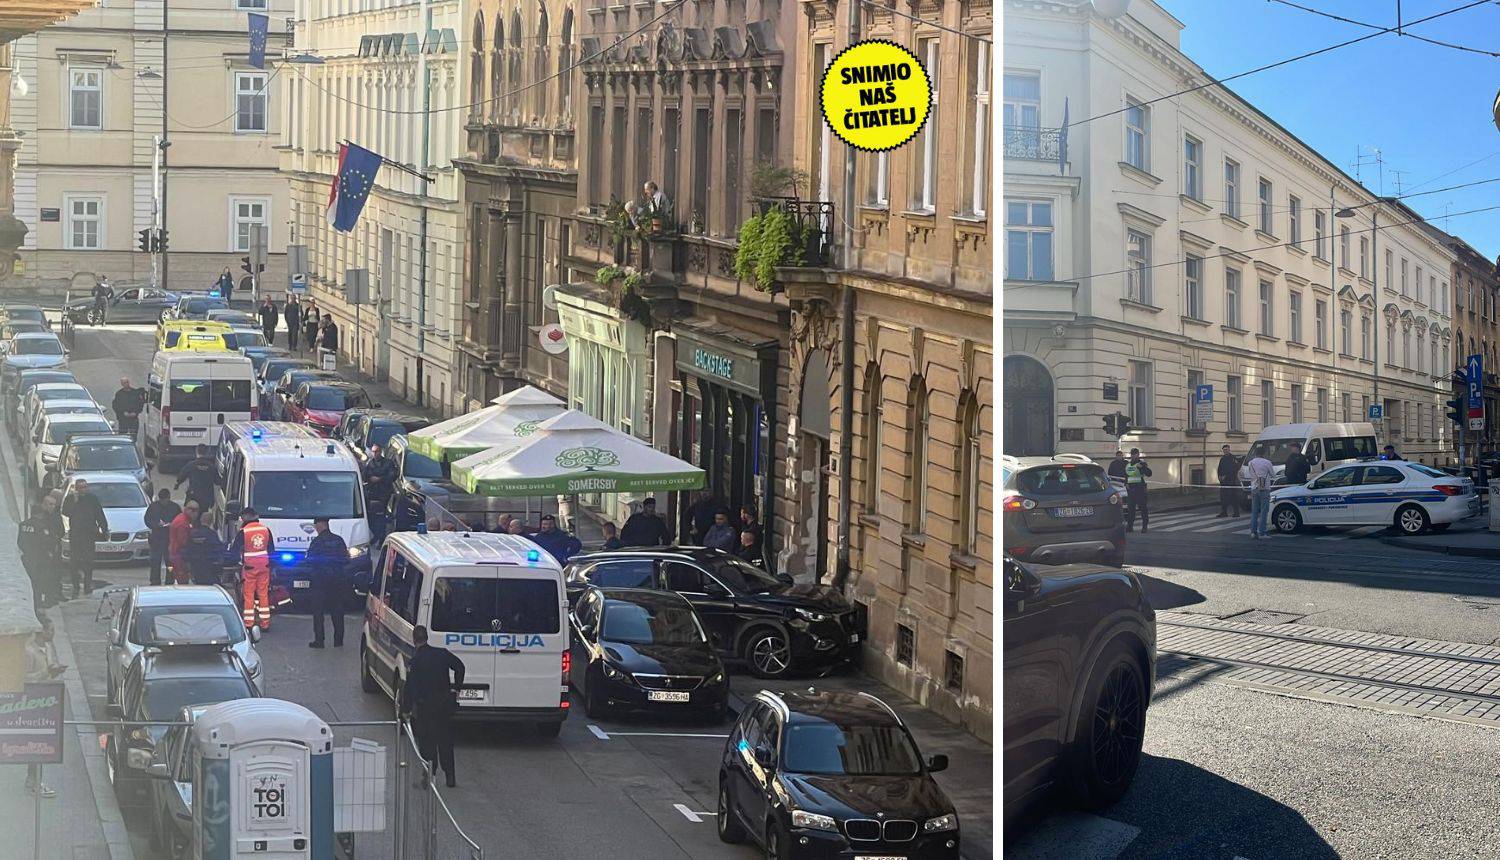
[[1411, 497]]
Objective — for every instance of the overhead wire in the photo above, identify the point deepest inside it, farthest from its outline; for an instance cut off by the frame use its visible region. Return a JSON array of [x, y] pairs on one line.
[[1400, 29]]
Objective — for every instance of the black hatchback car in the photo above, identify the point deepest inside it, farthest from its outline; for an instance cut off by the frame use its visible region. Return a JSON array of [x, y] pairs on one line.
[[1060, 509], [776, 627], [1079, 664], [642, 650], [813, 775]]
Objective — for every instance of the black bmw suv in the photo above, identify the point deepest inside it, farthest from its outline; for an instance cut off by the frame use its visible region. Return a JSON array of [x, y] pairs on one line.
[[775, 626], [813, 775]]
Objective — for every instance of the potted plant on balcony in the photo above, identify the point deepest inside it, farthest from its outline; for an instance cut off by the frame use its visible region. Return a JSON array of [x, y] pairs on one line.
[[774, 238], [624, 285], [770, 181]]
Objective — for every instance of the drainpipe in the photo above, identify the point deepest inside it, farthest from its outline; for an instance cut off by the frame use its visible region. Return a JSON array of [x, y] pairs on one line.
[[425, 74], [846, 359]]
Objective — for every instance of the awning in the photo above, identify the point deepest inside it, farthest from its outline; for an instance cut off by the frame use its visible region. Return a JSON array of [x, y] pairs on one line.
[[509, 417]]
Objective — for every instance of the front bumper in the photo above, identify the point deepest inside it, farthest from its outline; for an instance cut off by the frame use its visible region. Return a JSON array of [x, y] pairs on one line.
[[825, 845], [520, 715], [829, 642], [631, 696]]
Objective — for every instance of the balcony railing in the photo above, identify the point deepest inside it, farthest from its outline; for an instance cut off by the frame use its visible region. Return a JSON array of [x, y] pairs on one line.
[[1037, 144], [816, 218]]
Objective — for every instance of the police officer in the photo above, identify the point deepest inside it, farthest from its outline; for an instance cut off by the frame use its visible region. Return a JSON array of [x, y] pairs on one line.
[[254, 546], [428, 698], [201, 474], [380, 482], [159, 516], [86, 525], [35, 541], [328, 562], [1136, 473], [204, 555]]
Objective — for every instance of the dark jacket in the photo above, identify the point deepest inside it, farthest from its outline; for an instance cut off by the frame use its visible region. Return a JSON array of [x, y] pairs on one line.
[[226, 283], [34, 539], [725, 537], [159, 515], [328, 555], [269, 315], [129, 401], [1297, 468], [751, 554], [201, 474], [380, 478], [701, 515], [292, 313], [643, 529], [86, 521], [613, 543], [1117, 469], [328, 338], [427, 683], [204, 555], [558, 543], [1229, 470]]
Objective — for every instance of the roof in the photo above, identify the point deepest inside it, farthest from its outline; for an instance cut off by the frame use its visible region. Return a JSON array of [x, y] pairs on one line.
[[337, 384], [181, 595], [105, 478], [290, 451], [225, 725], [196, 325], [271, 429], [75, 418], [693, 552], [59, 385], [208, 661], [36, 335], [439, 548], [90, 438], [813, 705]]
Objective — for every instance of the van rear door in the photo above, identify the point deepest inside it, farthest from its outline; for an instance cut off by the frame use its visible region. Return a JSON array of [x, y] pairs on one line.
[[509, 619], [187, 403], [232, 394]]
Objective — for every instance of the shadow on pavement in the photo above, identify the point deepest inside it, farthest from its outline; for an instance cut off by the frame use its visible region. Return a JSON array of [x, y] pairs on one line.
[[1166, 595]]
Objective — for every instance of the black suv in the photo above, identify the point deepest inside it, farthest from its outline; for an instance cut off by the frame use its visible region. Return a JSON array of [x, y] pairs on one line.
[[1060, 509], [775, 626], [812, 775]]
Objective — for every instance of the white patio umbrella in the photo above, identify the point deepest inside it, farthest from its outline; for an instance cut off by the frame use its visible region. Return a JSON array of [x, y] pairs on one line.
[[509, 417], [574, 453]]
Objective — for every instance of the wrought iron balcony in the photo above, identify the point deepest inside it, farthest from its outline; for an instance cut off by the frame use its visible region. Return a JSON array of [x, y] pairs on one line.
[[1037, 144]]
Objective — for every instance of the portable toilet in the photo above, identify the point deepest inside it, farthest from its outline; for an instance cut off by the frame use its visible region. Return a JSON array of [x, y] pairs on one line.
[[263, 777]]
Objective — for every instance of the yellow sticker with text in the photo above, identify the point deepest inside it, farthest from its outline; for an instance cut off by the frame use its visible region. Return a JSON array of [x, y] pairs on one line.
[[876, 95]]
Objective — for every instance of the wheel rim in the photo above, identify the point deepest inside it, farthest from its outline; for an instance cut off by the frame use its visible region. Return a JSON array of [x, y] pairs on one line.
[[1286, 520], [723, 812], [770, 654], [109, 764], [1118, 725], [1411, 520]]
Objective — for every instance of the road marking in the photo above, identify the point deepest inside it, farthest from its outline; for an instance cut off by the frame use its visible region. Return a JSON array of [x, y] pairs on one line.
[[1075, 836], [658, 735], [695, 817], [598, 732]]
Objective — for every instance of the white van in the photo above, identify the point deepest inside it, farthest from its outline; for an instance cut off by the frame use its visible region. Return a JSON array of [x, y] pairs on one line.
[[496, 601], [1324, 445], [288, 481], [234, 431], [190, 395]]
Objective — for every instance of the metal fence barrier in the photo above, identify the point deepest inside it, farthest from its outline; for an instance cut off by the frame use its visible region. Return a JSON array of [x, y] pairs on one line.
[[429, 829]]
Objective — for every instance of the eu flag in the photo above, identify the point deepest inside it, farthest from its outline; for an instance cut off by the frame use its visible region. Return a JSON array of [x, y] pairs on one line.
[[258, 25], [356, 176]]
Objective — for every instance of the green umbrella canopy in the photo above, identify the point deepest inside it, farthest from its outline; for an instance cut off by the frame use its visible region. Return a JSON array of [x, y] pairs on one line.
[[573, 453], [509, 417]]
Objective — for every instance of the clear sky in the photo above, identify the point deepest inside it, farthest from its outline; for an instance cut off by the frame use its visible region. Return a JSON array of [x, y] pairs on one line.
[[1426, 108]]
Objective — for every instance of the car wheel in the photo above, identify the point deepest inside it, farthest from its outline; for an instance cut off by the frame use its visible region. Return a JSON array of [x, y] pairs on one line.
[[1412, 520], [769, 653], [775, 842], [366, 679], [1286, 519], [549, 730], [1106, 746], [729, 826], [116, 773], [593, 703]]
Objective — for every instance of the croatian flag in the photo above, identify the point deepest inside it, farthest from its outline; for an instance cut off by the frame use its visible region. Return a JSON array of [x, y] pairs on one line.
[[259, 24], [356, 176]]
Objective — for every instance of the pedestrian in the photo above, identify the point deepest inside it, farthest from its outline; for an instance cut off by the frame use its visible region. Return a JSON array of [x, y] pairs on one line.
[[328, 563], [722, 535], [611, 536], [268, 317], [749, 522], [646, 527], [380, 475], [128, 404], [226, 286], [518, 527], [1297, 468], [159, 516], [1389, 453], [1261, 471], [502, 525], [204, 555], [1229, 483], [749, 549], [1136, 473], [292, 313], [328, 334], [310, 327], [103, 292], [41, 667], [35, 542], [201, 474], [429, 701], [254, 545], [86, 526], [177, 540], [1117, 466], [558, 543], [700, 515]]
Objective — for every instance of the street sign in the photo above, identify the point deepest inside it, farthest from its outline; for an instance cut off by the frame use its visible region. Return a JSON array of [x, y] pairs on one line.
[[1474, 382], [1203, 404], [297, 283], [1377, 412]]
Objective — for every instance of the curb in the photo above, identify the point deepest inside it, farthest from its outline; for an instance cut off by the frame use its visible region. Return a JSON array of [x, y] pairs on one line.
[[1441, 549]]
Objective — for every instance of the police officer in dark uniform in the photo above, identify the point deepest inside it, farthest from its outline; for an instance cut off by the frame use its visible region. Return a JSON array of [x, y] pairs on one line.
[[380, 481], [428, 698], [328, 561], [35, 540], [201, 474], [204, 555]]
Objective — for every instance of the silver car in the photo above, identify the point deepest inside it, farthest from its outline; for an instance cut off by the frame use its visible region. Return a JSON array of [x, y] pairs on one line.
[[193, 609]]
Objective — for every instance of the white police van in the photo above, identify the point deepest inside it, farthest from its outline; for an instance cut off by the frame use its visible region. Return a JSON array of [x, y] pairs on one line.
[[289, 481], [496, 601], [233, 431]]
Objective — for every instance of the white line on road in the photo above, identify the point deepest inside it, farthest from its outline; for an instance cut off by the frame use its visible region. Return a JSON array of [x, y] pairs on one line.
[[598, 732], [662, 735], [697, 817]]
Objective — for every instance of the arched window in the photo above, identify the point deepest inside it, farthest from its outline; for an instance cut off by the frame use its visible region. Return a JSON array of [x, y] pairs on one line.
[[516, 51], [564, 63], [969, 474], [539, 63], [497, 71], [874, 418], [919, 419], [476, 71]]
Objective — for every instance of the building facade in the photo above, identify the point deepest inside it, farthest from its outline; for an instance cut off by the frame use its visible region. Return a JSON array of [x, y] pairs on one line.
[[1155, 247], [1476, 329], [393, 83], [93, 110]]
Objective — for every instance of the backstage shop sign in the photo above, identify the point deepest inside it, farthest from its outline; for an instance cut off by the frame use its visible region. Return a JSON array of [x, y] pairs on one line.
[[876, 95]]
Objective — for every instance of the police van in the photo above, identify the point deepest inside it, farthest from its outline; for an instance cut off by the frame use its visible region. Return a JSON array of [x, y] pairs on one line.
[[234, 431], [496, 601], [288, 481], [190, 396]]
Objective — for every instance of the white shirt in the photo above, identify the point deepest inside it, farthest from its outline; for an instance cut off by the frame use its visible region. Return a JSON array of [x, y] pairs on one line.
[[1261, 472]]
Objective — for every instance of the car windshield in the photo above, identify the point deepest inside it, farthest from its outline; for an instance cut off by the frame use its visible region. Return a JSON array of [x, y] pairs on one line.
[[36, 346], [635, 624], [33, 314], [69, 393], [419, 466], [165, 697], [274, 367], [381, 433], [336, 399], [218, 395], [119, 495], [239, 338], [741, 575], [304, 495], [60, 432], [149, 624], [1275, 450], [35, 378], [106, 457], [466, 604], [826, 748], [1064, 479], [1427, 470], [202, 306]]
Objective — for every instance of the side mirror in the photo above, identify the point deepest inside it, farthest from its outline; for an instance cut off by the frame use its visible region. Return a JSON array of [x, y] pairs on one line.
[[936, 763], [114, 634], [158, 770], [254, 634]]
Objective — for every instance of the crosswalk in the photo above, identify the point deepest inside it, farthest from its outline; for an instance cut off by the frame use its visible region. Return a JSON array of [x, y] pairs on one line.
[[1204, 521]]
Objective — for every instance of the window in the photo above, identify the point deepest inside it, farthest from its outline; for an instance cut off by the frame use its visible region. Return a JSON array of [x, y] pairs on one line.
[[1231, 188], [874, 418], [1364, 336], [878, 185], [969, 474], [1346, 336], [85, 222], [1140, 394], [1194, 379], [979, 170], [702, 129], [1434, 297], [1364, 406], [1193, 273], [1296, 403], [1436, 368], [1406, 347], [906, 644], [1443, 297], [1028, 240], [1403, 277], [1320, 322], [1137, 131], [1294, 205], [1021, 113], [1364, 256], [1294, 320], [733, 134], [919, 417], [1346, 402], [85, 98], [245, 213], [1390, 343], [1192, 167], [1418, 282], [1389, 278], [1267, 323], [1267, 403], [1138, 265], [596, 158], [1264, 192], [250, 95], [1421, 350], [1232, 298], [645, 144], [251, 5], [953, 672], [1343, 247], [1235, 396], [1320, 231], [925, 151]]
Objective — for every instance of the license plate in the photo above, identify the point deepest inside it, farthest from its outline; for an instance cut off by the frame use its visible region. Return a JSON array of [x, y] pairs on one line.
[[189, 429], [667, 696], [853, 638], [877, 857], [471, 695], [302, 583], [1073, 512]]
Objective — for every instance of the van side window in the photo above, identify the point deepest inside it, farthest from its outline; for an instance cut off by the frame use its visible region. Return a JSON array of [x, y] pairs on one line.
[[398, 585], [413, 593], [1315, 451], [377, 574], [153, 387]]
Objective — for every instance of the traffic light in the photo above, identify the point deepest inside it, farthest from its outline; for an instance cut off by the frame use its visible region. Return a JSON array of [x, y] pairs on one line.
[[245, 265], [161, 240], [1456, 411], [1109, 425], [1122, 423], [145, 244]]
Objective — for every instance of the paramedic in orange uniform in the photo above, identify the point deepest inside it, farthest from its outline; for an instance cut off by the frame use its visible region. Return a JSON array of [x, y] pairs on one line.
[[255, 545]]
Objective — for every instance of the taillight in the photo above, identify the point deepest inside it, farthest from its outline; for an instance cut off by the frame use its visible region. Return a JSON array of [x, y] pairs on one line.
[[567, 663], [1449, 490], [166, 416], [1019, 504], [255, 413]]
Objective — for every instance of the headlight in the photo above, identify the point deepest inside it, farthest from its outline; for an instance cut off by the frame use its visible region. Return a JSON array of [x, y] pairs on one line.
[[143, 535], [809, 615], [718, 678], [357, 551], [813, 821], [941, 823], [614, 674]]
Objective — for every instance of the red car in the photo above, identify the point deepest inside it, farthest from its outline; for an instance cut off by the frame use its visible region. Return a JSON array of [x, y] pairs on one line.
[[320, 405]]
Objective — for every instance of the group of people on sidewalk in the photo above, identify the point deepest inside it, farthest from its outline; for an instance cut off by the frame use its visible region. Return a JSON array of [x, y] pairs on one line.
[[709, 520], [307, 329], [1261, 473], [41, 537]]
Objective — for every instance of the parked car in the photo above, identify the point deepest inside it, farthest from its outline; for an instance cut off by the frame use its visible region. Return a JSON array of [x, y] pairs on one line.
[[641, 650], [53, 431], [291, 379], [1079, 665], [233, 318], [268, 374], [193, 306], [133, 305], [11, 328], [45, 392], [321, 404], [124, 502], [811, 774], [171, 787], [1410, 497], [1060, 509], [778, 628], [31, 350], [192, 336], [361, 428], [24, 383], [208, 612], [260, 354], [424, 488], [11, 313], [113, 453]]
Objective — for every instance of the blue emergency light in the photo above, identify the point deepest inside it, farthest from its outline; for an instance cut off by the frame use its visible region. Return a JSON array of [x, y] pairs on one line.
[[287, 557], [255, 434], [533, 555]]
